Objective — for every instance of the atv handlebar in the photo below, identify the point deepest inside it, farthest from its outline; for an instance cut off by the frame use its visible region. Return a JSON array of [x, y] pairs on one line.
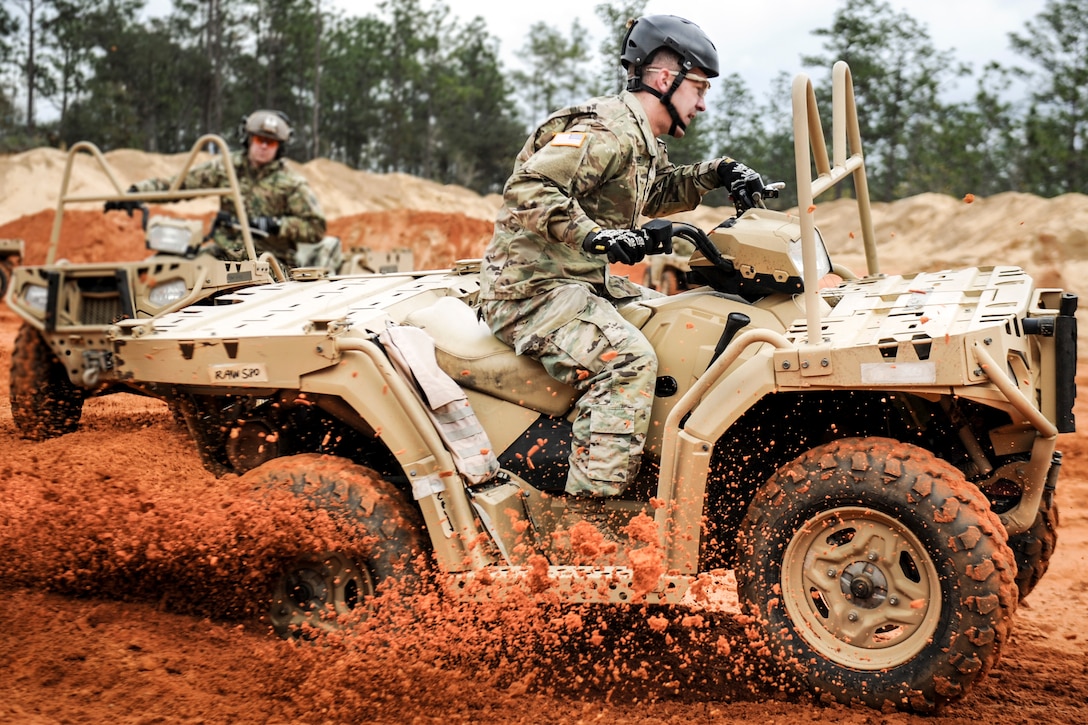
[[229, 221], [750, 192], [654, 237], [659, 232]]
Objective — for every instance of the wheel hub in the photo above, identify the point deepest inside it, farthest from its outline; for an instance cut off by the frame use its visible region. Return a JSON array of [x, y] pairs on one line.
[[865, 584], [306, 589], [316, 590]]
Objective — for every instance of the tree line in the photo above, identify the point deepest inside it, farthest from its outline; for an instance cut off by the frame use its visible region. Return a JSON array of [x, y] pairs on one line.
[[413, 89]]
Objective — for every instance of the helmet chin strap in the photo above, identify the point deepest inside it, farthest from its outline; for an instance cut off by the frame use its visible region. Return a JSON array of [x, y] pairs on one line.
[[635, 84]]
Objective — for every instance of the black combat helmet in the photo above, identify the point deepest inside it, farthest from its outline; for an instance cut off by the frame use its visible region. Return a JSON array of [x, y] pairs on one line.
[[649, 34]]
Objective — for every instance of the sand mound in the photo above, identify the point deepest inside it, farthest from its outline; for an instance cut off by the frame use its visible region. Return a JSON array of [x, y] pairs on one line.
[[345, 192], [32, 180]]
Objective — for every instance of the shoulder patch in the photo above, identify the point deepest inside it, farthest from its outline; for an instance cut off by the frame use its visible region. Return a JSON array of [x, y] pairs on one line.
[[568, 138]]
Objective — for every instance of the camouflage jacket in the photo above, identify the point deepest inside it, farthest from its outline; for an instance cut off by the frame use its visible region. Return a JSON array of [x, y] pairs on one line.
[[270, 190], [597, 164]]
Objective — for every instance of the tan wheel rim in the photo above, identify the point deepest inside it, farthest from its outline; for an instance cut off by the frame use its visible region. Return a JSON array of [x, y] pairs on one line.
[[860, 588], [319, 589]]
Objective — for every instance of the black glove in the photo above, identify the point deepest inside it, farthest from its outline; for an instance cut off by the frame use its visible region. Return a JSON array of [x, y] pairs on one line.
[[124, 204], [745, 186], [628, 246], [267, 224], [224, 219]]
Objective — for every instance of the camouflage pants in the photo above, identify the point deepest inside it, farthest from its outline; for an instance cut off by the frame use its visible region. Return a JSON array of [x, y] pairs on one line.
[[582, 340]]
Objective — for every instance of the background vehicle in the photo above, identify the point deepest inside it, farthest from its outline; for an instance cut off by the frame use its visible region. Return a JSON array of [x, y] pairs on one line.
[[61, 354], [874, 461], [364, 260], [668, 273], [11, 253], [329, 256]]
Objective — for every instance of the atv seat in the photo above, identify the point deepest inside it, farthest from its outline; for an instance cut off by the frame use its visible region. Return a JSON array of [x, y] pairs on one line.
[[468, 352]]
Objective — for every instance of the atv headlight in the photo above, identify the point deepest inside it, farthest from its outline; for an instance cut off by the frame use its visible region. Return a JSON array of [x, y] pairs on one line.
[[172, 236], [36, 297], [823, 261], [166, 293]]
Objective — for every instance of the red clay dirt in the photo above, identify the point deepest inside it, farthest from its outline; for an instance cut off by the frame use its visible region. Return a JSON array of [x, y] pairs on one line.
[[436, 239], [131, 577]]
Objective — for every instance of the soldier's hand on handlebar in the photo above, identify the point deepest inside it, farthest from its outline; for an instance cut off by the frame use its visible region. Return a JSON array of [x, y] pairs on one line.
[[730, 171], [223, 219], [125, 205], [746, 187], [744, 184], [267, 225], [628, 246]]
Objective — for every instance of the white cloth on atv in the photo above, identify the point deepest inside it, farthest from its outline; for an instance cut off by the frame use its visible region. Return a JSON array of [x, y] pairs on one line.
[[412, 353]]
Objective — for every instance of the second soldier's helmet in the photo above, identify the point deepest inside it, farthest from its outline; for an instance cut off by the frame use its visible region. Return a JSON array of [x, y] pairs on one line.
[[650, 33], [270, 124]]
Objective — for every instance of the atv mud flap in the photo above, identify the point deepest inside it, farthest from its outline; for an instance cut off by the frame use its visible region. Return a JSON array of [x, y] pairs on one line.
[[1065, 342]]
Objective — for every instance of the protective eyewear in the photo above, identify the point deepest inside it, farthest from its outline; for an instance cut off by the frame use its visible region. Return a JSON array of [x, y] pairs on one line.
[[702, 83]]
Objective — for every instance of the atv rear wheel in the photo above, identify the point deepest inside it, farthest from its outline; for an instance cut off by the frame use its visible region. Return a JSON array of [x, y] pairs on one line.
[[1034, 547], [880, 571], [44, 401], [317, 588]]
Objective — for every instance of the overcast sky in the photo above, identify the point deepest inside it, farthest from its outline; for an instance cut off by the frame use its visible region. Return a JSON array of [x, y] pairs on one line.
[[756, 38], [759, 38]]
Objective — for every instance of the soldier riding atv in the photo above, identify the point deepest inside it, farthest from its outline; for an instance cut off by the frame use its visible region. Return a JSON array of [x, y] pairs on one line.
[[278, 202]]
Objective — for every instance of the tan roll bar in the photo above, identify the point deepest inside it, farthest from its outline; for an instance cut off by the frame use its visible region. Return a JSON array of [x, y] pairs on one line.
[[174, 193], [810, 148]]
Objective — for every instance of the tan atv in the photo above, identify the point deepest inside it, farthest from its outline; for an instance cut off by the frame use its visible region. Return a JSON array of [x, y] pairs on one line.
[[874, 462], [62, 355]]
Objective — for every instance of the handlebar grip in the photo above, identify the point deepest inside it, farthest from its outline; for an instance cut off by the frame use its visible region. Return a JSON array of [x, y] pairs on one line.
[[660, 233]]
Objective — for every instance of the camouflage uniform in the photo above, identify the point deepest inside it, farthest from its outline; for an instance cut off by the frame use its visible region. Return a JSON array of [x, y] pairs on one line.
[[588, 166], [268, 190]]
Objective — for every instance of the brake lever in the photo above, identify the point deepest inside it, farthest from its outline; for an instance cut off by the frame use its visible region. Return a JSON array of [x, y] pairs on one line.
[[770, 191]]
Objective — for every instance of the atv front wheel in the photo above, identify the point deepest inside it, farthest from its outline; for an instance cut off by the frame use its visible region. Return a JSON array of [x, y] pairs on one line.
[[879, 571], [317, 588], [44, 401]]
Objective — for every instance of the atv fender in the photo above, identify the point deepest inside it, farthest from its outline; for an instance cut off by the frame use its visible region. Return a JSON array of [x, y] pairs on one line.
[[366, 380]]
